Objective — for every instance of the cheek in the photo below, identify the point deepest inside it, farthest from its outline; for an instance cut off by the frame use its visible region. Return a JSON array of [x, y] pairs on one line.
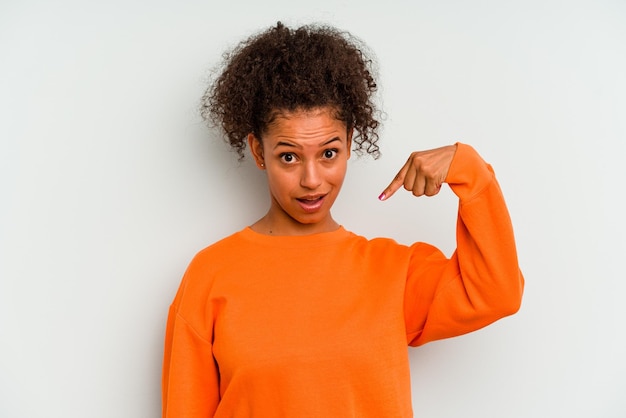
[[281, 182], [338, 173]]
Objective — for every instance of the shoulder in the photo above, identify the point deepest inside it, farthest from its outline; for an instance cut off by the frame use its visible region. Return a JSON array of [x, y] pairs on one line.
[[381, 248], [206, 264], [389, 251], [224, 247]]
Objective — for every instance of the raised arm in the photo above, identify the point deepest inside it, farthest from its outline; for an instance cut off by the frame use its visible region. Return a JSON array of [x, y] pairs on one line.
[[481, 282]]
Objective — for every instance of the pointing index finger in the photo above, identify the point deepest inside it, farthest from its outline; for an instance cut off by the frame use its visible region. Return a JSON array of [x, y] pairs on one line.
[[395, 184]]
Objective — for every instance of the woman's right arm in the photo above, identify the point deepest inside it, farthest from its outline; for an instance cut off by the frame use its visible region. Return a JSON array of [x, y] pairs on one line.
[[190, 385]]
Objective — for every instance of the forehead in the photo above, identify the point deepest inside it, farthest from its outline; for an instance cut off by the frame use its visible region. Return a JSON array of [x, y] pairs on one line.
[[318, 122]]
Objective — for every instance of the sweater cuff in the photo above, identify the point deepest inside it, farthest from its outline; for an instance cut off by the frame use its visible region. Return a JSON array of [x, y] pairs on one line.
[[469, 174]]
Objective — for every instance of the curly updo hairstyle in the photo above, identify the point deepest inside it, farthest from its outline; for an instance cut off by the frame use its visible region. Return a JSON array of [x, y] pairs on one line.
[[283, 69]]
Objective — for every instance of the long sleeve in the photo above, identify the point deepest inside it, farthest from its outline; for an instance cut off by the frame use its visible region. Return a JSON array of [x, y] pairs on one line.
[[190, 385], [481, 282]]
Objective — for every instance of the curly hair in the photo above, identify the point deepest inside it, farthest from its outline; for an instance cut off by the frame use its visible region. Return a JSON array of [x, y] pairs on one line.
[[283, 69]]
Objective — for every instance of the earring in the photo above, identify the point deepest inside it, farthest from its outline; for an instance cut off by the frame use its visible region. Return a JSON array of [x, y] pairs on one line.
[[262, 165]]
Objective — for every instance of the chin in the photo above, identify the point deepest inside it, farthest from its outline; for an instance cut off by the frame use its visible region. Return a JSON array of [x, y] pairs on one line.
[[308, 220], [311, 219]]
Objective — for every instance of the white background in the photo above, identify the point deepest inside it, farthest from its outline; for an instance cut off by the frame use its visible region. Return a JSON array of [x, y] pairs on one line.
[[109, 184]]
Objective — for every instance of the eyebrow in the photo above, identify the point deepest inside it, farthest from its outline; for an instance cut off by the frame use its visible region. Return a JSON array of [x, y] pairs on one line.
[[288, 144]]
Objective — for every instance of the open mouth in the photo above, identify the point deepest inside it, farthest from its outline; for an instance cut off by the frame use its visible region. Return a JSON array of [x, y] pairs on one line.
[[311, 204]]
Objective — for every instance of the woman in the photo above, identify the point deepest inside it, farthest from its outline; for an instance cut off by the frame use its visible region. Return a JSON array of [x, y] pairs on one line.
[[294, 316]]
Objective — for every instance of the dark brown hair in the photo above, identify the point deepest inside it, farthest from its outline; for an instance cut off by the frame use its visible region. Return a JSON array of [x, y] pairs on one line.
[[283, 69]]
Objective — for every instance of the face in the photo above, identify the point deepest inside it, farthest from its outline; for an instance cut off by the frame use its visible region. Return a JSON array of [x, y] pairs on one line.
[[305, 155]]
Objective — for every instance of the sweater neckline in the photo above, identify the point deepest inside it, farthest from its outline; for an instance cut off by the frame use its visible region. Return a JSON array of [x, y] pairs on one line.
[[311, 240]]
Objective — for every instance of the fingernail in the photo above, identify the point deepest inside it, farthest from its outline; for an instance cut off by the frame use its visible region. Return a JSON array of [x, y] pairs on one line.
[[382, 196]]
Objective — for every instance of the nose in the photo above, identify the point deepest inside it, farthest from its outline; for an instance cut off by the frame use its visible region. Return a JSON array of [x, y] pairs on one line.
[[311, 177]]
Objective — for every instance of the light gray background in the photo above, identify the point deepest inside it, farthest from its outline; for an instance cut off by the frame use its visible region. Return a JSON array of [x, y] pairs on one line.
[[109, 184]]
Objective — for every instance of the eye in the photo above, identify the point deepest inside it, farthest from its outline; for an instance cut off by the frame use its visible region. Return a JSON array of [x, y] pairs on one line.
[[330, 153], [287, 157]]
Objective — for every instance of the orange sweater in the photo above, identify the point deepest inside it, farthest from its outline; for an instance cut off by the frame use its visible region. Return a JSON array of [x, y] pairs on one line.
[[318, 325]]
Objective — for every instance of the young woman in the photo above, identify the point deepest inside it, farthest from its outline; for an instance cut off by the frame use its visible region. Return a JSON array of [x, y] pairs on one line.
[[294, 316]]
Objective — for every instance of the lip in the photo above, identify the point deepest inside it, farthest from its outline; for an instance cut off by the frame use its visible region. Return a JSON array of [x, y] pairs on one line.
[[310, 204]]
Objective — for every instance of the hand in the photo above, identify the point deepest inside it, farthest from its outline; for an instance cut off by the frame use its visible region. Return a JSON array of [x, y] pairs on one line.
[[423, 173]]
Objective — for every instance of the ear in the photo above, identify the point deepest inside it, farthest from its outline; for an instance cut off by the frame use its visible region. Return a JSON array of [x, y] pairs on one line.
[[256, 149]]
